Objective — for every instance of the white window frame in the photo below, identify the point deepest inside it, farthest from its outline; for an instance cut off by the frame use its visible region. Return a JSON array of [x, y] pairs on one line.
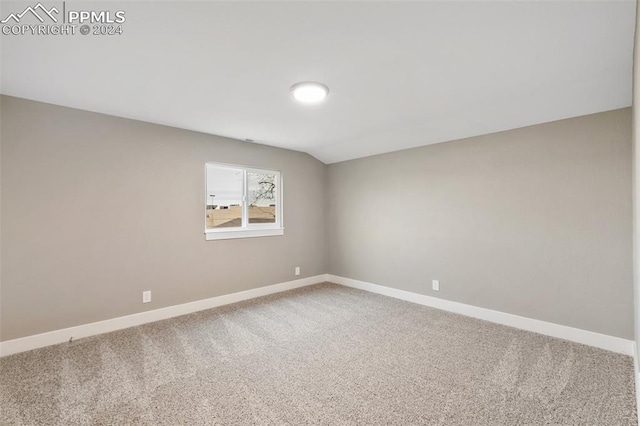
[[247, 230]]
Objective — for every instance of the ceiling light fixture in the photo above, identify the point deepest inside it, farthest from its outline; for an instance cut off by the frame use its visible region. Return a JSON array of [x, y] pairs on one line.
[[309, 91]]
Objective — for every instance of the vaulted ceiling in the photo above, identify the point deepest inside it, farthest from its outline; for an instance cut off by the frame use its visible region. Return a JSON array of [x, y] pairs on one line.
[[401, 74]]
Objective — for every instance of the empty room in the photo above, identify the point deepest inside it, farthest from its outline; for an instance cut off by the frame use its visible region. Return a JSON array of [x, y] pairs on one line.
[[319, 212]]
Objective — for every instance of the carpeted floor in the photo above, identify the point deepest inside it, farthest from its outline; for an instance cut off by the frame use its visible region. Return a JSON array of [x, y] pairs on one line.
[[324, 354]]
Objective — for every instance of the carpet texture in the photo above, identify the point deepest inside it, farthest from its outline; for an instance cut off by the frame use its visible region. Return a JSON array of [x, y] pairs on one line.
[[324, 354]]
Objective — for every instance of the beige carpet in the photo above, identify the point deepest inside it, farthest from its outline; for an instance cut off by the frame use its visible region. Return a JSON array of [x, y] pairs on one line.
[[324, 354]]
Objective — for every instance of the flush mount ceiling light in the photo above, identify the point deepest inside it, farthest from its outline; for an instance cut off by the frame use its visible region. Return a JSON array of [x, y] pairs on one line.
[[309, 92]]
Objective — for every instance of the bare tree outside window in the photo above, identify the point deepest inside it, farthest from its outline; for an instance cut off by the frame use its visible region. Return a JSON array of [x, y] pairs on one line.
[[262, 197]]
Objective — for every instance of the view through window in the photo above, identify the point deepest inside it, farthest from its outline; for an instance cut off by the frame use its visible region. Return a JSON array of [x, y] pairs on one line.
[[242, 199]]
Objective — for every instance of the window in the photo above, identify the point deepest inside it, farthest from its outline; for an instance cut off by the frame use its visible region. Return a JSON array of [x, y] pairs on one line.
[[242, 202]]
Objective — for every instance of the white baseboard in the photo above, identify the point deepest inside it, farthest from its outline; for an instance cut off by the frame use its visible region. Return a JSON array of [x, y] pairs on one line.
[[636, 375], [611, 343], [60, 336], [602, 341]]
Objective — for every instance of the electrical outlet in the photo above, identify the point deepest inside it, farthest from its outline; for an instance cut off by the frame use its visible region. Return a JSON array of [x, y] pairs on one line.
[[297, 271], [146, 296], [435, 285]]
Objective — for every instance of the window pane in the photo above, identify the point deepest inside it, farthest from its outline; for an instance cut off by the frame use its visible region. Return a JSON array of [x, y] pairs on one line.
[[224, 197], [262, 197]]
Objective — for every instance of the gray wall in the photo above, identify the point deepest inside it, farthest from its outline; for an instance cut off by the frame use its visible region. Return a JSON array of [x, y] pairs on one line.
[[96, 209], [636, 184], [535, 221]]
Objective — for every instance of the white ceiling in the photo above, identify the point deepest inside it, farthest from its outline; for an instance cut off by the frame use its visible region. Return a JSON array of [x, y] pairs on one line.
[[401, 74]]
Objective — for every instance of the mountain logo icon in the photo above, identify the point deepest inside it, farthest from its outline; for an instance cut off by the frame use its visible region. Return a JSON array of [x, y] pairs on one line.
[[39, 11]]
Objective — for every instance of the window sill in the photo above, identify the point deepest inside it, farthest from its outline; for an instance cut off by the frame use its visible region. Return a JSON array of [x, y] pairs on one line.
[[244, 233]]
